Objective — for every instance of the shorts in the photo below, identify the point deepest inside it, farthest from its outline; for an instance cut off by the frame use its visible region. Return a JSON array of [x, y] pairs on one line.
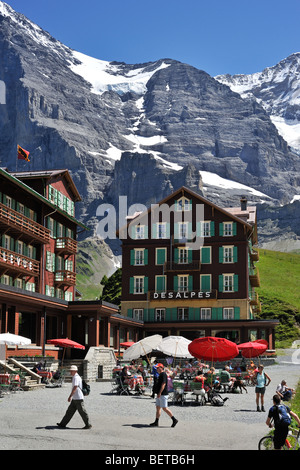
[[260, 390], [280, 435], [162, 401]]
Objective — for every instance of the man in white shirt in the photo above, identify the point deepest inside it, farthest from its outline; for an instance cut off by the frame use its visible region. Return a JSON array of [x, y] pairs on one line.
[[76, 399]]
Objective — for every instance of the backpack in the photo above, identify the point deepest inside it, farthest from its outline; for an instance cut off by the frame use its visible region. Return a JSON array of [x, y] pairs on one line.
[[217, 400], [283, 416], [85, 388]]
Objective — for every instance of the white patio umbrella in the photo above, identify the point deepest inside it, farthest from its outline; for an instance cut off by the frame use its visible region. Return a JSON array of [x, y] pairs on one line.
[[13, 340], [142, 347], [10, 339], [175, 346]]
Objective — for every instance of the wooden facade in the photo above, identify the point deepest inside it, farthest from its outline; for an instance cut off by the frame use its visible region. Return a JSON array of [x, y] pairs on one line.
[[189, 269], [38, 247]]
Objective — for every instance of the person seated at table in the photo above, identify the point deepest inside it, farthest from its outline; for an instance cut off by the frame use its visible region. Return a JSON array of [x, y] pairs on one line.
[[199, 378], [285, 393], [141, 371], [125, 373]]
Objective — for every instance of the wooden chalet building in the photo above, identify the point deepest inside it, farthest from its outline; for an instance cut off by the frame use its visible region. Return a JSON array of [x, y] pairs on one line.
[[38, 246], [189, 269]]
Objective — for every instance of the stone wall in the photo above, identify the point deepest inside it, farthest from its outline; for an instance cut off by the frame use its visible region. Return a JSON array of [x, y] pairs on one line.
[[99, 363]]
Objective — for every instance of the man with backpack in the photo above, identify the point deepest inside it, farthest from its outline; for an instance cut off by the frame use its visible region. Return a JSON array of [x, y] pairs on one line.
[[281, 415], [76, 399]]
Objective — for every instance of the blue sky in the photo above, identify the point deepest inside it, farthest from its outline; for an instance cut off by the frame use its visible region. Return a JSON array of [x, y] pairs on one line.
[[232, 36]]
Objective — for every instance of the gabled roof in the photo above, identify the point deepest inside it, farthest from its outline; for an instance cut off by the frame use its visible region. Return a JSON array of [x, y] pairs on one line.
[[48, 174], [234, 213], [30, 190]]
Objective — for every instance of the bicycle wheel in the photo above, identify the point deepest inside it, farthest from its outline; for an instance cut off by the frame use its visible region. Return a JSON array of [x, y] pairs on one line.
[[266, 443], [293, 442]]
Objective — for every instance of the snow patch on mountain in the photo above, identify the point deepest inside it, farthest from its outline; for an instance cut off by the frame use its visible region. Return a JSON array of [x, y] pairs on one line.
[[104, 76], [212, 179]]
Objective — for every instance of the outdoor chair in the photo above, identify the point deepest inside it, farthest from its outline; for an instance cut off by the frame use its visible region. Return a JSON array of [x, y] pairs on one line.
[[178, 393], [199, 392]]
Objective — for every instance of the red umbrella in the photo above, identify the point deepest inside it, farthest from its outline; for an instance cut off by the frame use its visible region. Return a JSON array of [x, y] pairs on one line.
[[126, 344], [252, 349], [212, 349], [261, 341], [65, 343]]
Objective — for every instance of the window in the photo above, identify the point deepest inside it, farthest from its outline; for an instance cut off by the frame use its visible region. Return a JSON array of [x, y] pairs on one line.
[[19, 247], [139, 285], [227, 229], [183, 313], [161, 256], [183, 255], [30, 286], [8, 202], [138, 313], [206, 255], [183, 204], [205, 313], [228, 313], [183, 284], [228, 283], [139, 232], [160, 283], [161, 230], [6, 242], [160, 314], [183, 230], [50, 261]]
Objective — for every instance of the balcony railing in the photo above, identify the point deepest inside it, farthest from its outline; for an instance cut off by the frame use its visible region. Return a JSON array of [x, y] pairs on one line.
[[188, 266], [67, 278], [254, 277], [19, 223], [66, 245], [15, 263], [254, 255]]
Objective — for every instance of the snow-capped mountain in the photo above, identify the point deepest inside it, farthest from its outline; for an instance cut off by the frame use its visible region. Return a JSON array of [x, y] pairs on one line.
[[277, 89], [117, 126]]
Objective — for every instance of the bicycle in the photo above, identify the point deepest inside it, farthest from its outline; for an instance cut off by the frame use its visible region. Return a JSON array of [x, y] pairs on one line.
[[292, 441]]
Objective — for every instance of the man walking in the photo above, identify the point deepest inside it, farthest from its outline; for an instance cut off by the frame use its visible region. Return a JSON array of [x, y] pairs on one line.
[[76, 400], [162, 396]]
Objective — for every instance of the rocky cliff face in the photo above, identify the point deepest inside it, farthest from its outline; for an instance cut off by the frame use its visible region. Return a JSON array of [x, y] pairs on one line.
[[139, 130]]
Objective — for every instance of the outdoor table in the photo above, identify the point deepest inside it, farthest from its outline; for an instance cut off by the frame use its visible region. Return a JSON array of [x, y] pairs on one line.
[[45, 374], [134, 381]]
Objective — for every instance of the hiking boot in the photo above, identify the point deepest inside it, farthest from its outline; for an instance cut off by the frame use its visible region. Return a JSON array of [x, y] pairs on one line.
[[155, 423], [258, 409], [175, 421], [263, 409]]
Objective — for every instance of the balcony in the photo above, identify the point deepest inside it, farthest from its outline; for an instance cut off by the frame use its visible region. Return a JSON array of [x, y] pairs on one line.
[[66, 245], [13, 264], [254, 298], [17, 224], [170, 266], [66, 278], [254, 277], [254, 255]]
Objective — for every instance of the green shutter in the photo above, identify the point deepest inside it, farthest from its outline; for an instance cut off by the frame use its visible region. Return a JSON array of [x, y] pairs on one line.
[[131, 285], [190, 256], [175, 281], [221, 254], [160, 284], [234, 228], [214, 312], [132, 257], [145, 256], [221, 229], [221, 283], [190, 283], [212, 229], [205, 254], [236, 313], [154, 231], [129, 312], [145, 284], [176, 255], [160, 256], [236, 283], [205, 283], [235, 254]]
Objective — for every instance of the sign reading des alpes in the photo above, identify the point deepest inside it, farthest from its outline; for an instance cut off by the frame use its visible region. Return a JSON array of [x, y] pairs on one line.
[[172, 295]]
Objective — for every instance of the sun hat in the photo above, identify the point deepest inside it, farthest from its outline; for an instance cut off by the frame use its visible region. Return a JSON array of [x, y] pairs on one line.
[[74, 368]]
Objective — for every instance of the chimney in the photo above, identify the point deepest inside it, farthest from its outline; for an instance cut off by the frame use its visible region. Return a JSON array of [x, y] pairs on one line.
[[243, 203]]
